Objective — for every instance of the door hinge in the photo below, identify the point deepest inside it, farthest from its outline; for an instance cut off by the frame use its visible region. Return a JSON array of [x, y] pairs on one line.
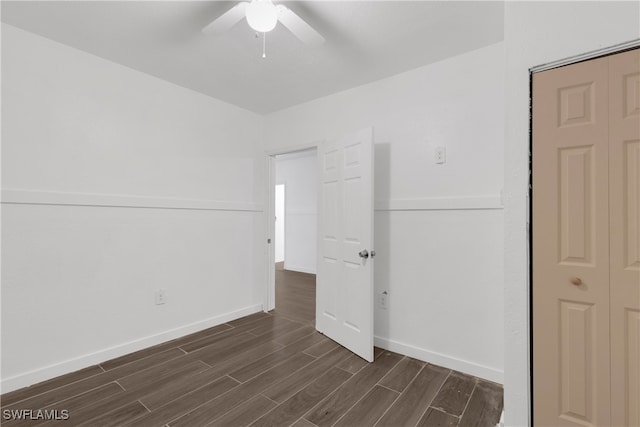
[[269, 241]]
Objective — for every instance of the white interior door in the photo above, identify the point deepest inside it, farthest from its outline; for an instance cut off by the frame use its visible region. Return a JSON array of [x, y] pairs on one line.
[[344, 292]]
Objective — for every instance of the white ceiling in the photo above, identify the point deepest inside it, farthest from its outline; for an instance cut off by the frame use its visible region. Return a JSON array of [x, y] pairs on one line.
[[366, 41]]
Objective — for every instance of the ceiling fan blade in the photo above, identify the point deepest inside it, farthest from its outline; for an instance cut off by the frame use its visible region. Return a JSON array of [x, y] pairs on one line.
[[226, 20], [298, 26]]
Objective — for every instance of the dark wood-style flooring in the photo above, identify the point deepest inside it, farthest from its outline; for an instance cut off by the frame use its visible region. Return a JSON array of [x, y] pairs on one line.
[[267, 369], [296, 295]]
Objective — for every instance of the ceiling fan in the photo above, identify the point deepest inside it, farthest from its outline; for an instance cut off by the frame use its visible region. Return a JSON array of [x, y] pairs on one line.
[[263, 16]]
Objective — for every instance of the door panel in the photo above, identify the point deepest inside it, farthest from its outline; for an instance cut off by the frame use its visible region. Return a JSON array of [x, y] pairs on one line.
[[570, 246], [577, 322], [631, 209], [577, 219], [624, 181], [344, 308]]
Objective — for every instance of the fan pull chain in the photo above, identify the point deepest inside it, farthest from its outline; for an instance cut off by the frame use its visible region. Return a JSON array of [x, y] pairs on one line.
[[264, 45]]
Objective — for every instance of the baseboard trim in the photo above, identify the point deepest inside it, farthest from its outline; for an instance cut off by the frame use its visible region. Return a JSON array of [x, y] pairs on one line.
[[471, 368], [298, 269], [37, 375]]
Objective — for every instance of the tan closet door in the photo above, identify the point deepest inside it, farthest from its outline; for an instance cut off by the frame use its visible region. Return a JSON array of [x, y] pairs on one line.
[[571, 246], [624, 199]]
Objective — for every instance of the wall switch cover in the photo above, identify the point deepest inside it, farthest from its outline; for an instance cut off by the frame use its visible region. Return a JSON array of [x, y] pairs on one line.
[[161, 296], [440, 155]]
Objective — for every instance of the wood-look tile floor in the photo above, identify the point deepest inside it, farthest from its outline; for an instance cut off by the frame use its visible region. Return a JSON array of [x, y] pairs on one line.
[[261, 370], [295, 295]]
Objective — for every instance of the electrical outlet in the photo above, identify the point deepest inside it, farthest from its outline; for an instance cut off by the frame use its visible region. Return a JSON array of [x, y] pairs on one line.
[[161, 296], [383, 300], [440, 155]]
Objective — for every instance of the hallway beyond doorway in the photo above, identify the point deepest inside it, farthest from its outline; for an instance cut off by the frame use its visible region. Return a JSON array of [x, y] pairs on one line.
[[295, 295]]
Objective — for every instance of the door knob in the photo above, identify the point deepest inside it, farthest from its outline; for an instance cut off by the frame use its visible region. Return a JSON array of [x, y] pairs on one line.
[[364, 253], [576, 281]]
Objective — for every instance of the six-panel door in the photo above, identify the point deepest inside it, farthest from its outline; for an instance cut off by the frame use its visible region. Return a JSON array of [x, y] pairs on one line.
[[586, 243], [571, 246], [344, 295]]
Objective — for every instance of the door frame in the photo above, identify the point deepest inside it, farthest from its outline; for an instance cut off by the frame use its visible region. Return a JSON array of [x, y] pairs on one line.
[[270, 212], [284, 225], [587, 56]]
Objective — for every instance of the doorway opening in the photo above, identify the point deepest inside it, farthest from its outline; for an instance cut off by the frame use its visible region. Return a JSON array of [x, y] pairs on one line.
[[294, 196], [341, 241]]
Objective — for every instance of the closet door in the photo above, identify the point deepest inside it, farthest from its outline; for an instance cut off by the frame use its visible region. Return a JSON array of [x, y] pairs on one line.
[[571, 375], [624, 199]]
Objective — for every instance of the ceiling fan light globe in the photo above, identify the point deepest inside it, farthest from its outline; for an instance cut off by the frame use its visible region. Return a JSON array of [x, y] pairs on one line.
[[262, 15]]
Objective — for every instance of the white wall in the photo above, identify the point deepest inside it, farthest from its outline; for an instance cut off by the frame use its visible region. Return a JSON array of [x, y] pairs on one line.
[[438, 228], [115, 184], [538, 33], [298, 172]]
